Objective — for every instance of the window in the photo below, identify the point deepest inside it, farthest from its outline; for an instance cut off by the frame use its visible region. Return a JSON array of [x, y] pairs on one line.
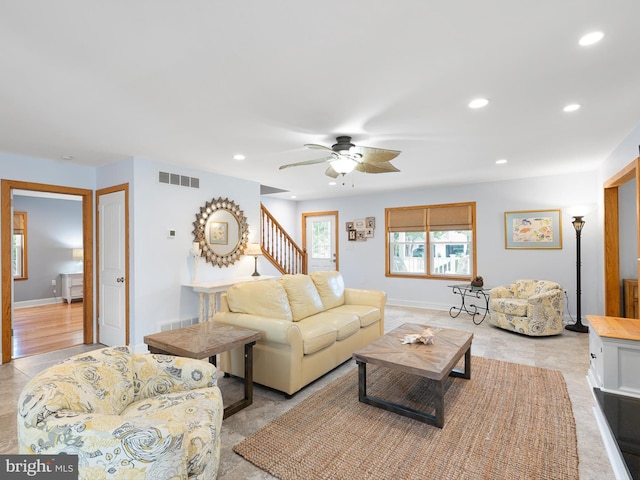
[[435, 241], [321, 244], [19, 246]]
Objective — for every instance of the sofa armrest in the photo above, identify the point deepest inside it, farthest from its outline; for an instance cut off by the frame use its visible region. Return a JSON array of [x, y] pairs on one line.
[[375, 298], [155, 374], [109, 442], [272, 330]]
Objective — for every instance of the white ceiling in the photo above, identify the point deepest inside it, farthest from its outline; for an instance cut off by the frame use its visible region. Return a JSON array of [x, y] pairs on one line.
[[194, 82]]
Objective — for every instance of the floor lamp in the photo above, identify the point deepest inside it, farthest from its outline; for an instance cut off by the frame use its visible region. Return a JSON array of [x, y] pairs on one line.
[[578, 223]]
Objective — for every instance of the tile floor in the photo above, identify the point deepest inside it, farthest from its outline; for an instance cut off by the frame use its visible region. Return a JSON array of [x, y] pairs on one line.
[[568, 353]]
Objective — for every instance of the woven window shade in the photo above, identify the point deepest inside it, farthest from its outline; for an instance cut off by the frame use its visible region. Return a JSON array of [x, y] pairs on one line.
[[408, 220], [453, 217]]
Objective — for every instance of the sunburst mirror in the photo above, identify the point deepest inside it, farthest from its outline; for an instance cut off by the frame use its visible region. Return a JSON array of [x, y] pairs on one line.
[[221, 231]]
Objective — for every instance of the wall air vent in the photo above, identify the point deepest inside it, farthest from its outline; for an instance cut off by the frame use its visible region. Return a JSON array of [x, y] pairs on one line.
[[180, 180]]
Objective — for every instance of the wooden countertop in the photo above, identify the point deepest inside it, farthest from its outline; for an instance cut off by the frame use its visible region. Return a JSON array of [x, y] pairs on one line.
[[616, 327]]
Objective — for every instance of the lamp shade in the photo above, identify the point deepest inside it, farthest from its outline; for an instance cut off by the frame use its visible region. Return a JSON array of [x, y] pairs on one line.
[[578, 223], [253, 249], [77, 254]]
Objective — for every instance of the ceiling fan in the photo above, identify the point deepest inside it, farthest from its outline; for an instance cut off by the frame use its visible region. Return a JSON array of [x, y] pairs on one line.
[[345, 157]]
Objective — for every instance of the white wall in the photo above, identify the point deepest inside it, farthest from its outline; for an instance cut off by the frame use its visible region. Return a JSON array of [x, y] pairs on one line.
[[363, 263]]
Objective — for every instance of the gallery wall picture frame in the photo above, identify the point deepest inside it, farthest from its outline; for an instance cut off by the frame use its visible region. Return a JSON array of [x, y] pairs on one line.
[[370, 222], [352, 235], [349, 226], [359, 224], [533, 229], [368, 232]]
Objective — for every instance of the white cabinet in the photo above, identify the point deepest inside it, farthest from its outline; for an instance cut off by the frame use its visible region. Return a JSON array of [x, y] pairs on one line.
[[72, 286], [614, 349]]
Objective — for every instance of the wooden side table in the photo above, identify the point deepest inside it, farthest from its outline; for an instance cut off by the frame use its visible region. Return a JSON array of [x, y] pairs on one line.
[[206, 340]]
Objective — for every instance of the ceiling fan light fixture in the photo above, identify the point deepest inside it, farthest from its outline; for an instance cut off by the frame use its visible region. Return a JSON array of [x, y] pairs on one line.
[[343, 165]]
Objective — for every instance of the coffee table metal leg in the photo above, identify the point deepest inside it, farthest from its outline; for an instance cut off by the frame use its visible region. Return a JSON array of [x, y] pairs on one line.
[[436, 420], [466, 373]]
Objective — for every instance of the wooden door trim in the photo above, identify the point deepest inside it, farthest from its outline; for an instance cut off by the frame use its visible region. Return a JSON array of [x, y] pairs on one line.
[[334, 213], [612, 242], [5, 245], [104, 191]]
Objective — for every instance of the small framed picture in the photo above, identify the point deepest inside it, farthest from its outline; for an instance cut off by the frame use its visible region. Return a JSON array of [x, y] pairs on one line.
[[371, 222], [352, 235], [218, 233], [349, 226], [368, 232], [359, 224], [360, 237]]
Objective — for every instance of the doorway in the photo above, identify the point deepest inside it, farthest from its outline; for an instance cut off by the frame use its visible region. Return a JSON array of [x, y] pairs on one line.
[[320, 240], [7, 186]]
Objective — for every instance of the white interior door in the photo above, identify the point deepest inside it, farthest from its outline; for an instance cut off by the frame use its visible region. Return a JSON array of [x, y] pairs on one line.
[[321, 243], [112, 260]]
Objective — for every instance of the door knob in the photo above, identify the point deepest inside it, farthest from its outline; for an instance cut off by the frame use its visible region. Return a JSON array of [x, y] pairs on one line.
[[121, 279]]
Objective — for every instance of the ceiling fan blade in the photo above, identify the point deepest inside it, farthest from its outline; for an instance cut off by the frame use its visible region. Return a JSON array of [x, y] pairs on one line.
[[315, 146], [376, 155], [308, 162], [385, 167], [331, 172]]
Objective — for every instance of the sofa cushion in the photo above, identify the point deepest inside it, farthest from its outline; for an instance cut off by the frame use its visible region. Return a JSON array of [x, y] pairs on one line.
[[316, 335], [510, 306], [330, 285], [346, 324], [366, 313], [303, 296], [264, 298]]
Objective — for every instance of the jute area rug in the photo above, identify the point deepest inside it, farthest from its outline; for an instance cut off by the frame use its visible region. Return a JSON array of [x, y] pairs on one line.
[[508, 421]]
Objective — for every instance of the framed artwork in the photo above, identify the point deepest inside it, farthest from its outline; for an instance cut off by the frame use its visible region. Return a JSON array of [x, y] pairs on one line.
[[360, 237], [359, 224], [218, 233], [349, 226], [370, 222], [352, 235], [533, 229], [368, 232]]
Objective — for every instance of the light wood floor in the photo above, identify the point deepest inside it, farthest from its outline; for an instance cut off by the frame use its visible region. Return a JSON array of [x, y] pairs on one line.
[[46, 328]]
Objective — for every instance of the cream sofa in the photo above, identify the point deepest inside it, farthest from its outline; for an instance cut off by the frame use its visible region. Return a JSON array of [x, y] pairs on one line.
[[309, 324], [530, 307], [126, 416]]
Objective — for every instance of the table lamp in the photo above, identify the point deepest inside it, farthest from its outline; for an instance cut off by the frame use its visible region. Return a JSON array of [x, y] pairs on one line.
[[255, 251]]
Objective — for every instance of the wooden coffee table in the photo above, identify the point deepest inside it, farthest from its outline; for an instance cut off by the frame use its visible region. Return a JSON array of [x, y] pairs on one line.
[[206, 340], [434, 361]]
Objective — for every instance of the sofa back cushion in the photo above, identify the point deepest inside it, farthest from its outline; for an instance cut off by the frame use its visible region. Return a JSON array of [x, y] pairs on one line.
[[330, 285], [264, 298], [303, 296], [100, 381]]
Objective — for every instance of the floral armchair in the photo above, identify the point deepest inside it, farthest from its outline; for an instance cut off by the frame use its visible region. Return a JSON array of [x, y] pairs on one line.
[[530, 307], [126, 416]]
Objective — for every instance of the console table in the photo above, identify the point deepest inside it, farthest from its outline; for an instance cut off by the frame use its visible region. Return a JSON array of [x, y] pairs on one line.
[[469, 293], [209, 292]]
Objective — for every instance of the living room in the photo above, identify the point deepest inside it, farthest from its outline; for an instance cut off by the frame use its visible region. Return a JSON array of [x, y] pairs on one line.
[[161, 265]]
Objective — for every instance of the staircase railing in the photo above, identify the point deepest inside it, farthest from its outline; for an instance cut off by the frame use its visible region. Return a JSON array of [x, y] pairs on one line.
[[278, 247]]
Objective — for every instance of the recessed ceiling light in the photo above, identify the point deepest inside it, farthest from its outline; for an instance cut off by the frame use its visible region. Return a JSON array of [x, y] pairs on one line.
[[292, 196], [591, 38], [332, 183], [502, 161], [478, 103], [239, 156], [572, 107], [66, 157]]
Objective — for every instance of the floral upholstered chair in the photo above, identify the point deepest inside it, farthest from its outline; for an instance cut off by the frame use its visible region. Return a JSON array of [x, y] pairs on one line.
[[531, 307], [126, 416]]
